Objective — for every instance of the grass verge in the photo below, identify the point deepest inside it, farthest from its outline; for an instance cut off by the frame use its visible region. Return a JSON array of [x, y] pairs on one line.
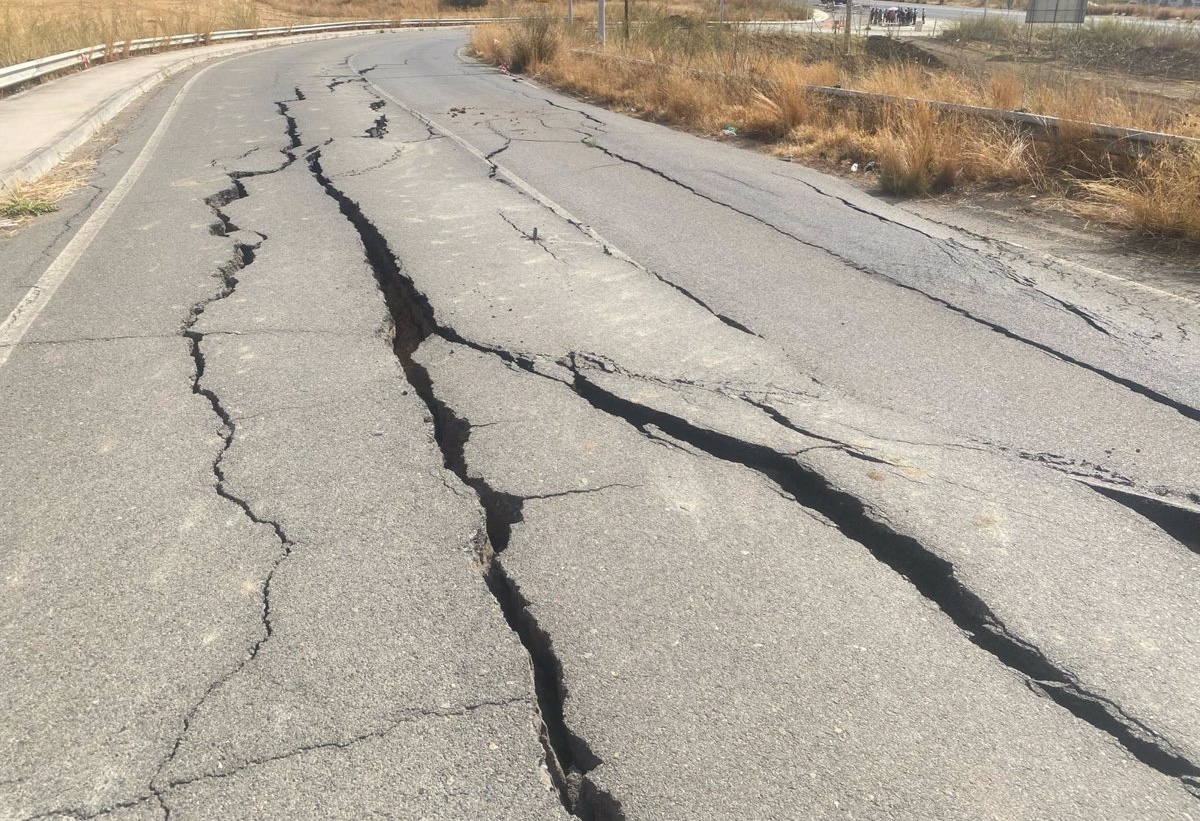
[[1161, 200], [26, 201], [1143, 10], [1107, 44], [706, 78], [38, 28]]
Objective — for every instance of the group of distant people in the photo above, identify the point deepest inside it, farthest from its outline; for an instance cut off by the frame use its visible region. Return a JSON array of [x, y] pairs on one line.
[[895, 16]]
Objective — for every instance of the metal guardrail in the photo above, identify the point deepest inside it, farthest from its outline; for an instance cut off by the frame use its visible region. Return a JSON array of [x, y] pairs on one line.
[[1045, 122], [21, 73]]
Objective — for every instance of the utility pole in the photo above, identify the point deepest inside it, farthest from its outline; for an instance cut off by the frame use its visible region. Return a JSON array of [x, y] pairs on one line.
[[600, 21], [626, 21], [849, 11], [721, 10], [570, 11]]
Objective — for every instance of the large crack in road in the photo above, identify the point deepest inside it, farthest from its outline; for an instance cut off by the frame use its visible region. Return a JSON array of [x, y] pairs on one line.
[[567, 755], [1170, 491], [575, 370], [931, 574]]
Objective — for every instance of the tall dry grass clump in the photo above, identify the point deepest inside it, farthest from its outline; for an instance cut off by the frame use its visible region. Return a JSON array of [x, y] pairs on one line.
[[537, 41], [1002, 155], [1005, 90], [918, 151], [1161, 199], [785, 100], [522, 46]]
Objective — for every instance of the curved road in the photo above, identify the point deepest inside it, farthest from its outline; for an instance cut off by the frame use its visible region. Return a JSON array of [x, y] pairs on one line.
[[406, 440]]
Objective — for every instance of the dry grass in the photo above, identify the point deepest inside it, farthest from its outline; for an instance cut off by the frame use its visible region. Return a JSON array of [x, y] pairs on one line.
[[704, 78], [1101, 44], [918, 151], [1144, 10], [23, 202], [525, 47], [1162, 199], [1005, 91], [38, 28]]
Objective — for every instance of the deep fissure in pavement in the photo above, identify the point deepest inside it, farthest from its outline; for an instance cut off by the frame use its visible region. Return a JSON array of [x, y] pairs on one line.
[[930, 574], [1179, 523], [568, 757]]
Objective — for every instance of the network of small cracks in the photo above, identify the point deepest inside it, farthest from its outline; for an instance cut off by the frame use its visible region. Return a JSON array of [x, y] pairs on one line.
[[1058, 266], [69, 223], [381, 732], [396, 722], [243, 256], [950, 248]]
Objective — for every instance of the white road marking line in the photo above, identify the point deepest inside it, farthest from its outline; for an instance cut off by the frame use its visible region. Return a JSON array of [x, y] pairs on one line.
[[39, 295], [517, 182]]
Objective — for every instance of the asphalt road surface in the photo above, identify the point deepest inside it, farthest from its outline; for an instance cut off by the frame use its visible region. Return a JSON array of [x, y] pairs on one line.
[[405, 440]]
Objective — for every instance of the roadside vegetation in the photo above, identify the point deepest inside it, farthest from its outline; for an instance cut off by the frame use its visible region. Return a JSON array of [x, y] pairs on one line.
[[722, 81], [25, 201], [672, 65], [1138, 48], [1146, 11], [38, 28], [1150, 11], [17, 207]]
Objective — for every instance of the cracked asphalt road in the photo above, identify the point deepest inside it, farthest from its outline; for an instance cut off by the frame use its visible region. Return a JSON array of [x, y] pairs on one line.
[[416, 442]]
